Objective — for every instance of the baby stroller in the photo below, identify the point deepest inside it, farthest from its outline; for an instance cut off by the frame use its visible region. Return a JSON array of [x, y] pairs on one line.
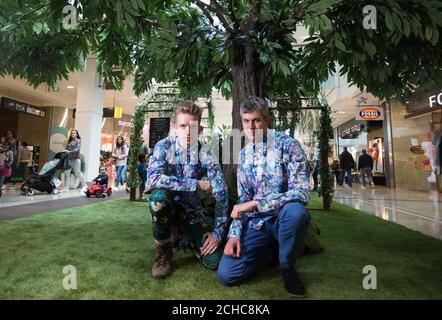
[[45, 181]]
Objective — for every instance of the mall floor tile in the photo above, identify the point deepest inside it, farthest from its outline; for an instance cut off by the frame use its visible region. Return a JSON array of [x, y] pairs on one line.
[[13, 205], [416, 210]]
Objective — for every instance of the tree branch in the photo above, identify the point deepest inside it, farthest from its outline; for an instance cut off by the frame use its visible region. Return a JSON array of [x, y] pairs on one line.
[[32, 11], [232, 16], [219, 11], [214, 8], [204, 10]]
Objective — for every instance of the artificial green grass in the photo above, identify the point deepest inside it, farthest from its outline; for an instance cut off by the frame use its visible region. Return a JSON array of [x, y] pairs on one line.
[[110, 244]]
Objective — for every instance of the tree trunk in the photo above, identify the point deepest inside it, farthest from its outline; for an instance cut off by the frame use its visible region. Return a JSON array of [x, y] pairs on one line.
[[133, 194], [248, 80], [326, 199]]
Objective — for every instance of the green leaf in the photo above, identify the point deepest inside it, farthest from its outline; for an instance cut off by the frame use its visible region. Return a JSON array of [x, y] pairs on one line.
[[130, 19], [141, 5], [435, 38], [428, 33], [119, 12], [275, 45], [340, 45], [289, 22], [389, 21], [226, 57], [370, 48], [326, 23], [407, 28], [134, 4], [37, 28], [133, 12], [284, 67]]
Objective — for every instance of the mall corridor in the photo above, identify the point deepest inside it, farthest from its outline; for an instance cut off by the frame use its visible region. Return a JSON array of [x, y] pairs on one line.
[[420, 211], [14, 206]]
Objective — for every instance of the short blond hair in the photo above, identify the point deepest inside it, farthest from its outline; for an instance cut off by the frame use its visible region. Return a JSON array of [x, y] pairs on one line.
[[188, 107]]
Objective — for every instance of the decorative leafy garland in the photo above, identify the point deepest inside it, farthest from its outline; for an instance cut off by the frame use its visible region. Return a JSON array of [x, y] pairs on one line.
[[324, 135], [288, 114], [136, 144], [211, 113]]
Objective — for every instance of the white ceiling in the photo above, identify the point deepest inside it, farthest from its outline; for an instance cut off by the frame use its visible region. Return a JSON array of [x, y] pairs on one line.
[[341, 100], [66, 96]]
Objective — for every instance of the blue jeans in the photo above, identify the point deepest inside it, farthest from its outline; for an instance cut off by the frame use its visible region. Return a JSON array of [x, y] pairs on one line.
[[120, 176], [349, 177], [124, 173], [287, 229]]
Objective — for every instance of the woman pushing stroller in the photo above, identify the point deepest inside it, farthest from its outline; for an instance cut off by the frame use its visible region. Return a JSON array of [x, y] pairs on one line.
[[73, 150]]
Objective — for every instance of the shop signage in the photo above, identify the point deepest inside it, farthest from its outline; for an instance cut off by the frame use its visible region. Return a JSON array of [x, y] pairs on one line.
[[424, 101], [435, 99], [118, 112], [417, 150], [125, 124], [159, 129], [369, 113], [351, 133], [14, 105]]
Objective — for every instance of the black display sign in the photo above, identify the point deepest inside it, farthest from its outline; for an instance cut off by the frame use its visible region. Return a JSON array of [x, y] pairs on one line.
[[159, 129], [13, 105], [424, 101]]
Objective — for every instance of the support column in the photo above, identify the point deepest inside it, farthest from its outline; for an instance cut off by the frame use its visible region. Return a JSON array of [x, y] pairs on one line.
[[388, 146], [88, 117]]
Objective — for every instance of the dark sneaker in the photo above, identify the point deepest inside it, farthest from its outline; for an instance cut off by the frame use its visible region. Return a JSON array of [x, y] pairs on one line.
[[163, 261], [292, 284]]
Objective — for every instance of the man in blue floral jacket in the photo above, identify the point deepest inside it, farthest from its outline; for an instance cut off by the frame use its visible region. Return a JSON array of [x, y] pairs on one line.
[[273, 188], [175, 177]]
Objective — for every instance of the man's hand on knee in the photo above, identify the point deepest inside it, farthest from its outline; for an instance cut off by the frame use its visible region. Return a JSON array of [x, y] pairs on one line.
[[233, 248], [204, 185], [210, 244]]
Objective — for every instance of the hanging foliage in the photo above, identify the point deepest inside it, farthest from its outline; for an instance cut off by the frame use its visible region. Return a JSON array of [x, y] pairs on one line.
[[325, 133], [315, 125], [136, 144], [211, 113], [286, 115]]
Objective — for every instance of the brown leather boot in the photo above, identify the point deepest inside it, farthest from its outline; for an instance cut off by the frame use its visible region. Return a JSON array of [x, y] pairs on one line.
[[163, 261]]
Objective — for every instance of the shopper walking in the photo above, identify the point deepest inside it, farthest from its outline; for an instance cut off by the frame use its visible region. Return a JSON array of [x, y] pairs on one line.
[[365, 167], [142, 173], [73, 149], [347, 164], [316, 161], [6, 160], [335, 169], [24, 159], [120, 154], [13, 147], [126, 167]]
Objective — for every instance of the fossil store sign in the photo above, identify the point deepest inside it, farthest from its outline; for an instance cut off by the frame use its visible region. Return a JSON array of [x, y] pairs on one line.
[[369, 113], [424, 102]]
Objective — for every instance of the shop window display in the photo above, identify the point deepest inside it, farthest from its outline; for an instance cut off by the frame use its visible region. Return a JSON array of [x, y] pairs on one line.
[[376, 151]]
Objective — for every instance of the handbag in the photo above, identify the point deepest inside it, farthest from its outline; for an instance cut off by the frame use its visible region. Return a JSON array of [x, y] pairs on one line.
[[6, 170]]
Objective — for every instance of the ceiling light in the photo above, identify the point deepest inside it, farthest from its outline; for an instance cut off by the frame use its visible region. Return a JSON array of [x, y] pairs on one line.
[[70, 87]]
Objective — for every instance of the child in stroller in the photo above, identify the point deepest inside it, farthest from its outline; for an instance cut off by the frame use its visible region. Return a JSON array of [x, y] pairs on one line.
[[45, 181], [101, 186]]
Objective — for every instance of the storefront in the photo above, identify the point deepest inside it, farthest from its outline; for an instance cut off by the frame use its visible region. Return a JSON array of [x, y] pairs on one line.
[[29, 124], [63, 121], [111, 128], [413, 128], [358, 135]]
